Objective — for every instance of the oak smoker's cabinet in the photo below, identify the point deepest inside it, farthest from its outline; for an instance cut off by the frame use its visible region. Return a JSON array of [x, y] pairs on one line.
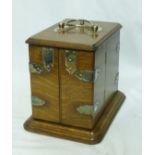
[[74, 79]]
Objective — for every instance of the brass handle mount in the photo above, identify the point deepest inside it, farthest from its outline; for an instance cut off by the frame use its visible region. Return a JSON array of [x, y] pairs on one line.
[[89, 26]]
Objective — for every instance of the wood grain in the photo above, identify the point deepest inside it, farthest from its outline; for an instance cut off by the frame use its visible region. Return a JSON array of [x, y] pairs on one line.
[[75, 92], [79, 134], [64, 93], [80, 41], [106, 60], [45, 86], [112, 63]]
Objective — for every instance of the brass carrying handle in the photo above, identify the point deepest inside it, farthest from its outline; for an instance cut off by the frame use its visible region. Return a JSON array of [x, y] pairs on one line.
[[66, 26], [47, 62]]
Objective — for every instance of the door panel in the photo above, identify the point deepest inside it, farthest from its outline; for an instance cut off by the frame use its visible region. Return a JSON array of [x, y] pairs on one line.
[[44, 85], [76, 94]]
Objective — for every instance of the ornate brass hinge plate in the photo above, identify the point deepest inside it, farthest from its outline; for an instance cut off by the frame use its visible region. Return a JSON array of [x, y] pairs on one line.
[[47, 62], [48, 58], [85, 109], [36, 68], [37, 101], [71, 67]]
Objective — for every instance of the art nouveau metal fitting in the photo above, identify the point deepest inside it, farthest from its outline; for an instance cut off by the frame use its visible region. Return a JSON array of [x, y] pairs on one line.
[[37, 101], [71, 67], [47, 62]]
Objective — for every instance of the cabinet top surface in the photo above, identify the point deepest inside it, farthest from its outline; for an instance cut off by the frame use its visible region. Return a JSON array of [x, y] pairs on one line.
[[75, 34]]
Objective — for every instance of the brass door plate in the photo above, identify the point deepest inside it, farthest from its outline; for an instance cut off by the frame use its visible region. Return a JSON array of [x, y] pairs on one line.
[[71, 67], [37, 101], [47, 62]]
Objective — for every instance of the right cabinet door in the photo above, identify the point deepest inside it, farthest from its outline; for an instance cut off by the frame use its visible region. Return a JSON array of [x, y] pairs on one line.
[[76, 87]]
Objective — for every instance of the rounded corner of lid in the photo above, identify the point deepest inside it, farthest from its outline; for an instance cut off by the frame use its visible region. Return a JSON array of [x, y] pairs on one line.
[[27, 41], [119, 25]]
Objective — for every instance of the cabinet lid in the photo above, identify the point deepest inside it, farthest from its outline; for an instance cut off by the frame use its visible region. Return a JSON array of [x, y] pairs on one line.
[[75, 34]]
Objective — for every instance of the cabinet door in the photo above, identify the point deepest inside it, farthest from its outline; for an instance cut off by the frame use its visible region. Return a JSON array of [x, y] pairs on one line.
[[44, 83], [76, 87]]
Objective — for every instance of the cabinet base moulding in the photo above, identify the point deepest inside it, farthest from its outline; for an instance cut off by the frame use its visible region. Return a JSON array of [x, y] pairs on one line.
[[79, 134]]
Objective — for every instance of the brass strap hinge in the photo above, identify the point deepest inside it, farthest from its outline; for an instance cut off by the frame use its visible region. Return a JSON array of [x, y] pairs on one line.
[[47, 62], [71, 67]]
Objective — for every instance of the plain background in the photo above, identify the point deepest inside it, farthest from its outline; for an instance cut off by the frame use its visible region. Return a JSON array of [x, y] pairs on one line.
[[32, 16]]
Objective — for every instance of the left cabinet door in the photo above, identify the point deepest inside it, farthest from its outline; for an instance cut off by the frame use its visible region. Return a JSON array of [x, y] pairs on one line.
[[43, 64]]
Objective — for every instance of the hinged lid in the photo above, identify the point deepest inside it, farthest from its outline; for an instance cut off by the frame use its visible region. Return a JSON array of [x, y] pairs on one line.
[[75, 34]]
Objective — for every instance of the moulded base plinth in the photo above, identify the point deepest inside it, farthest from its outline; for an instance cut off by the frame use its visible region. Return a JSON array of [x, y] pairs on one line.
[[79, 134]]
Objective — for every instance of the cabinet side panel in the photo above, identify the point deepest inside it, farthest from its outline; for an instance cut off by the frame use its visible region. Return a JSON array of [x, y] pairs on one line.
[[44, 87], [112, 62], [76, 95], [99, 82]]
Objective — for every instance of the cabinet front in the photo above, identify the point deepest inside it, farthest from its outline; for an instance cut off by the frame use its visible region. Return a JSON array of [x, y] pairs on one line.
[[62, 85]]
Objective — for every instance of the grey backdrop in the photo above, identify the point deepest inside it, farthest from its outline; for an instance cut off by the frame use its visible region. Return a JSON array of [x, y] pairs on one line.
[[32, 16]]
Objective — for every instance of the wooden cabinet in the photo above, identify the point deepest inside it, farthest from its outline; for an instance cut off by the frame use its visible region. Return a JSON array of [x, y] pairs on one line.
[[74, 79]]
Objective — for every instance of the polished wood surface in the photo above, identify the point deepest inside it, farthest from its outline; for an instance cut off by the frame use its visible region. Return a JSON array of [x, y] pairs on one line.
[[100, 82], [45, 86], [75, 92], [106, 61], [79, 134], [81, 41], [112, 63], [66, 93]]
